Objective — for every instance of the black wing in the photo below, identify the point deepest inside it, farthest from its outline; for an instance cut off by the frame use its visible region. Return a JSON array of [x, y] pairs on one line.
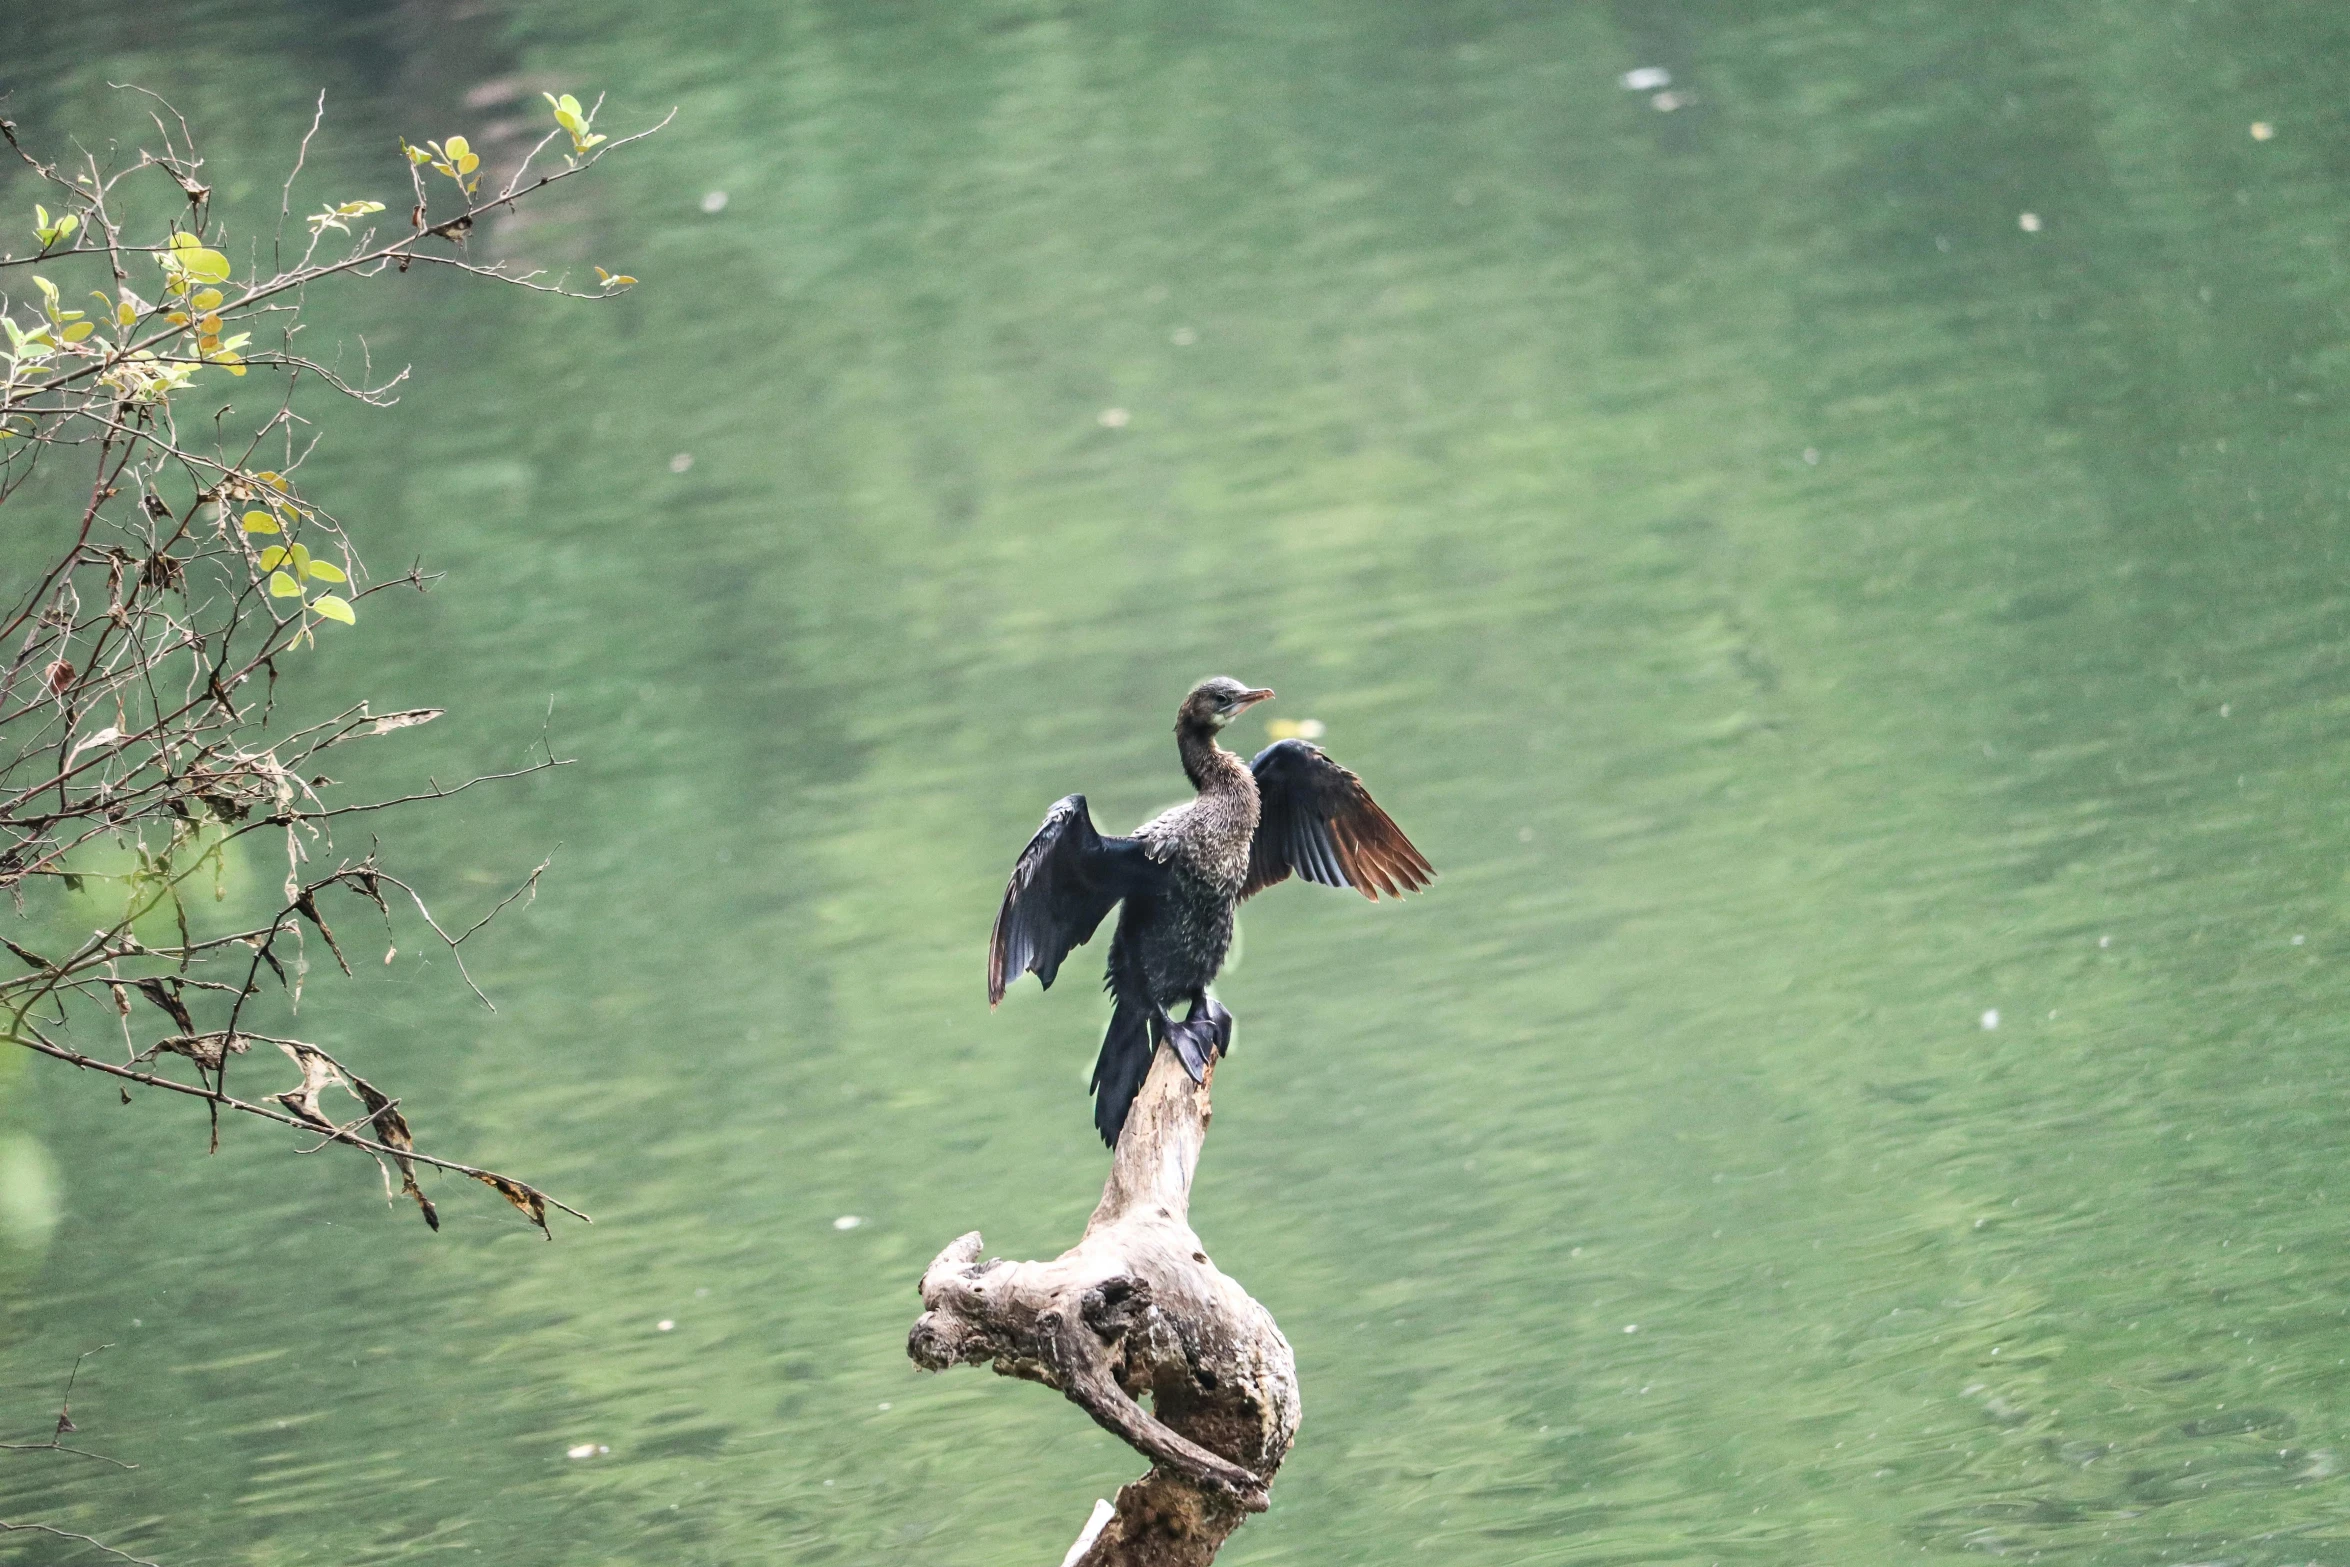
[[1317, 819], [1068, 877]]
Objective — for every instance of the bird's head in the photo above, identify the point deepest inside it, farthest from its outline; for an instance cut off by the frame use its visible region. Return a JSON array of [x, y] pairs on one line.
[[1216, 702]]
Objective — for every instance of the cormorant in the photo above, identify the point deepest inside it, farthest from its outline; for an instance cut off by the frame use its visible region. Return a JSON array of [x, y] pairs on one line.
[[1181, 876]]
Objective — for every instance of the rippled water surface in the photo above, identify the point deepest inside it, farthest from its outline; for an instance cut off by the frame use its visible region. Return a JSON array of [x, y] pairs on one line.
[[1840, 567]]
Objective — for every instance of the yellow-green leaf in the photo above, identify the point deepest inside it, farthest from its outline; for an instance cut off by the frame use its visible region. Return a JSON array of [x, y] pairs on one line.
[[320, 571], [300, 558], [206, 299], [282, 586], [273, 556], [186, 241], [79, 330], [334, 608], [210, 266], [276, 481], [260, 522]]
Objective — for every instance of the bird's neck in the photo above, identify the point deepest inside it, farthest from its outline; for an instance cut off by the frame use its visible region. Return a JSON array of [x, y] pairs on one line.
[[1208, 765]]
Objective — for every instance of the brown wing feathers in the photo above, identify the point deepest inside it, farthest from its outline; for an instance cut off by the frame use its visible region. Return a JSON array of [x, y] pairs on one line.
[[1373, 849], [1315, 818]]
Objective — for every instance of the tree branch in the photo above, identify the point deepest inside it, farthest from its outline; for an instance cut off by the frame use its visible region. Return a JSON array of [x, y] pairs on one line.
[[1136, 1309]]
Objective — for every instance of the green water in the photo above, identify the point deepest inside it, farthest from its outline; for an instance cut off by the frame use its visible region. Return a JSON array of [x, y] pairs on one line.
[[1805, 614]]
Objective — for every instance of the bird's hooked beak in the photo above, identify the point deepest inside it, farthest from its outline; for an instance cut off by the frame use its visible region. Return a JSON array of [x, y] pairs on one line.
[[1249, 699]]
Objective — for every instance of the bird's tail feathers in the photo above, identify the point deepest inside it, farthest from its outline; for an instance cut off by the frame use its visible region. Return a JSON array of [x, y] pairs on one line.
[[1118, 1072]]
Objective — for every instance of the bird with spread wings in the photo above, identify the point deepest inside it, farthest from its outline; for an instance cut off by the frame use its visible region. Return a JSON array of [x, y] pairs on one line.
[[1181, 876]]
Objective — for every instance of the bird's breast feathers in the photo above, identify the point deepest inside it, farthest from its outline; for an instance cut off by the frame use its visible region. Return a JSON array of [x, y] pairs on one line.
[[1208, 836]]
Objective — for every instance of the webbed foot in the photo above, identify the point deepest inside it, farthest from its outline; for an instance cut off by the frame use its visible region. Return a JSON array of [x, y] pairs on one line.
[[1195, 1044], [1222, 1021]]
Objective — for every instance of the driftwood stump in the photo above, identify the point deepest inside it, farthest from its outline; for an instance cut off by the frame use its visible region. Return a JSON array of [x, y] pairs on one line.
[[1136, 1307]]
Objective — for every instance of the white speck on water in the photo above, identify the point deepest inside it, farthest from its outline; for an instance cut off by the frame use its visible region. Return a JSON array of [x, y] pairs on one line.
[[665, 1325], [1645, 78], [2105, 941], [2297, 940], [1667, 102], [2029, 222], [2223, 709], [702, 1293], [1183, 337], [1631, 1327], [714, 201], [2262, 130], [1942, 243], [828, 1482], [1113, 418], [1525, 835], [1991, 1017], [884, 1403], [1811, 457], [586, 1450], [681, 462], [1575, 1251], [847, 1221]]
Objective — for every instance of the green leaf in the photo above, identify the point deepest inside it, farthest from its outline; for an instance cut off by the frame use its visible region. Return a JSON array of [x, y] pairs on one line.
[[206, 299], [208, 266], [183, 240], [320, 571], [273, 557], [282, 586], [79, 330], [334, 608], [456, 148], [260, 522], [299, 559]]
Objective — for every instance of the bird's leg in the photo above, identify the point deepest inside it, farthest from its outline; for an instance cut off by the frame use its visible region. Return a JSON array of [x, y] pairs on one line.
[[1194, 1038]]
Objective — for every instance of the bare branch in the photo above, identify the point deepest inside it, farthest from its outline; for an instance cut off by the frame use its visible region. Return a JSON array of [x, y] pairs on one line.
[[7, 1527]]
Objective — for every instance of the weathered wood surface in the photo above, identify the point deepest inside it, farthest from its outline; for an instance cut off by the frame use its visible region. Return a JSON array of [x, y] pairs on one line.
[[1134, 1308]]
